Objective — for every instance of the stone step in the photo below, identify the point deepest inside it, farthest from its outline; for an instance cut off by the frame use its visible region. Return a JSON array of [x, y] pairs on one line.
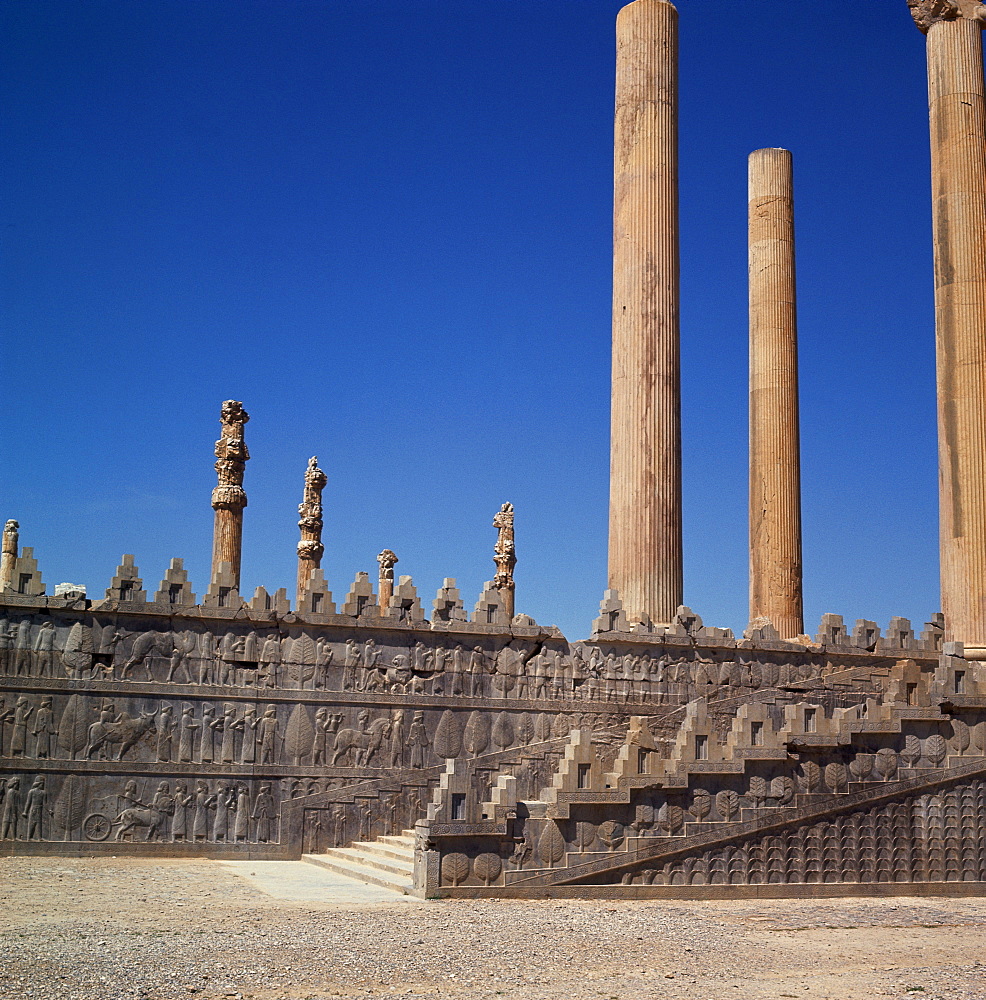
[[354, 870], [404, 839], [357, 855], [393, 852]]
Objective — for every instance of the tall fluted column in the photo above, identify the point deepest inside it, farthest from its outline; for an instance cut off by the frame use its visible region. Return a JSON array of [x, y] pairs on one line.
[[505, 557], [645, 560], [958, 179], [310, 547], [228, 498], [8, 556], [775, 461]]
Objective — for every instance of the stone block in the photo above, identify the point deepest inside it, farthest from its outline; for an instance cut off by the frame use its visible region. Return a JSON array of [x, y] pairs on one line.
[[761, 629], [865, 634], [175, 588], [223, 591], [405, 605], [899, 635], [361, 601], [316, 598], [832, 631], [612, 617], [127, 584], [448, 605], [489, 608], [277, 603], [25, 578]]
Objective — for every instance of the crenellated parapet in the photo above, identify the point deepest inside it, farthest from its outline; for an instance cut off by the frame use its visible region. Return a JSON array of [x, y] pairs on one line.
[[175, 588], [127, 584]]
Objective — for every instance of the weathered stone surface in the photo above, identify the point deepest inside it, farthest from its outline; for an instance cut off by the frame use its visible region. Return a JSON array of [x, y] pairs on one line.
[[775, 462], [228, 498], [957, 104], [310, 546], [277, 734], [645, 549]]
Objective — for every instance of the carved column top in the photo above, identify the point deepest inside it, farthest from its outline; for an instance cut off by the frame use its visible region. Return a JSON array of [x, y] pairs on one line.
[[232, 455], [11, 525], [504, 553], [232, 412], [929, 12], [315, 478], [387, 560], [311, 504], [504, 517]]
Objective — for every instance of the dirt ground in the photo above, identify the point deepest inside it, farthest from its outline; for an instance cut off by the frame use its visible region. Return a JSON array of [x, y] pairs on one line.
[[158, 930]]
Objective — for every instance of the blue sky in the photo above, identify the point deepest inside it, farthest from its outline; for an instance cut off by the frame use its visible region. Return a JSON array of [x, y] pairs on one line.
[[386, 228]]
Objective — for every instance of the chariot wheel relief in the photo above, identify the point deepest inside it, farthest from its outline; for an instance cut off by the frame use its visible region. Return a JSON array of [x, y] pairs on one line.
[[96, 826]]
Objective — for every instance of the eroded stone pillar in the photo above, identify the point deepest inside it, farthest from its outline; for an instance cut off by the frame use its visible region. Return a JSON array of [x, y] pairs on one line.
[[8, 554], [957, 108], [505, 557], [310, 546], [775, 462], [645, 560], [387, 560], [228, 498]]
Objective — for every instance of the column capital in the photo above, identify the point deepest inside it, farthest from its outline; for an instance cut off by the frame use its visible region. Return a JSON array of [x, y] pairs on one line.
[[929, 12]]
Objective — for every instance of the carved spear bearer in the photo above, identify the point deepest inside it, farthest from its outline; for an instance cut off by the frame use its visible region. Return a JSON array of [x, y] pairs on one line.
[[310, 547], [387, 561], [10, 535], [505, 557]]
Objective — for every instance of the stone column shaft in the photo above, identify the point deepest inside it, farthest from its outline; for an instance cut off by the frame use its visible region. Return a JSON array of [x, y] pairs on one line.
[[228, 498], [227, 541], [385, 590], [505, 558], [957, 108], [775, 462], [310, 548], [645, 550], [8, 554]]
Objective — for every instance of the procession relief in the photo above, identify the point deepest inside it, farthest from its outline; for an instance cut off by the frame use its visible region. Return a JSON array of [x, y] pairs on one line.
[[98, 808], [474, 667], [94, 728], [207, 717]]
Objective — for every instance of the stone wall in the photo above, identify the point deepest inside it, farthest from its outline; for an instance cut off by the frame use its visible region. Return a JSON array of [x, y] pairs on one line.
[[137, 726], [786, 789]]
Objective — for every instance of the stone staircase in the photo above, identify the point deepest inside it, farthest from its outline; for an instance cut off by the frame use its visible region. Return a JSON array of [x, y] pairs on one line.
[[387, 861]]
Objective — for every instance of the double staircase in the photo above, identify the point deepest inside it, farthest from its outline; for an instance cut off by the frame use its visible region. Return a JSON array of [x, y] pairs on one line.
[[387, 861]]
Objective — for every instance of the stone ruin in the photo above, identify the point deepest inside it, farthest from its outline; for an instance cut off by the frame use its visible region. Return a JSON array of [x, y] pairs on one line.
[[668, 762], [459, 753]]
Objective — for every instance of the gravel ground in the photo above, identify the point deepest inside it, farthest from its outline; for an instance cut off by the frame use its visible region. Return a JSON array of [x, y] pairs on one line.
[[86, 929]]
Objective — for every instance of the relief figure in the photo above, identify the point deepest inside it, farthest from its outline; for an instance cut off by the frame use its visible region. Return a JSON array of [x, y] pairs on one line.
[[45, 731], [264, 814], [34, 809], [44, 648], [23, 710]]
